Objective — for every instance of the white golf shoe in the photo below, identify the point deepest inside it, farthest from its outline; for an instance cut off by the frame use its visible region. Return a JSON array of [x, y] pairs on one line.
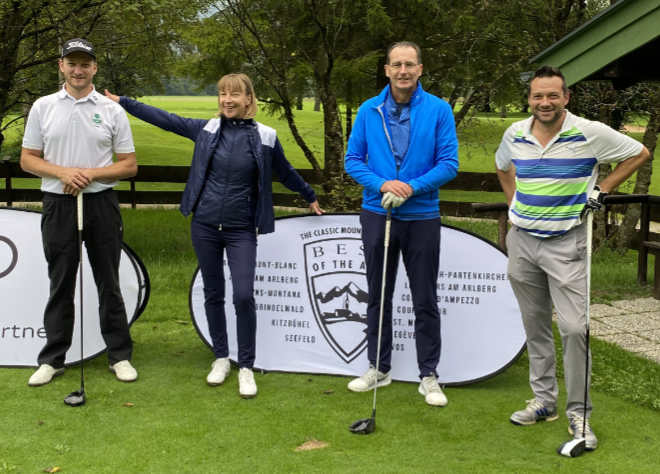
[[124, 371], [247, 387], [368, 381], [219, 371], [432, 392], [44, 375]]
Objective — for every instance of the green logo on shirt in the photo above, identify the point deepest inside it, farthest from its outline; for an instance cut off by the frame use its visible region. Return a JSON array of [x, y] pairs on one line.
[[96, 119]]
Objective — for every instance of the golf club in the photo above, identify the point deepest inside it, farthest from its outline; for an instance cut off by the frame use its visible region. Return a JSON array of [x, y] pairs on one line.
[[576, 446], [368, 425], [77, 398]]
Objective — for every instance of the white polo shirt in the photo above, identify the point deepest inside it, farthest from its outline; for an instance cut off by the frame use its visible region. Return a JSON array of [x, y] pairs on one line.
[[81, 133]]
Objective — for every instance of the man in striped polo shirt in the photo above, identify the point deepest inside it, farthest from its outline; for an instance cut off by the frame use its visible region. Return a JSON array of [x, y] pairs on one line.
[[547, 167]]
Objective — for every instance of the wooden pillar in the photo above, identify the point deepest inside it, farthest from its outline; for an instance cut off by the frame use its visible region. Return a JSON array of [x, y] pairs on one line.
[[642, 254], [502, 229], [133, 195]]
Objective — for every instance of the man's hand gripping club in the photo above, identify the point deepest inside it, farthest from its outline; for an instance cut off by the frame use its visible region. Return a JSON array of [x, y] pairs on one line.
[[395, 193]]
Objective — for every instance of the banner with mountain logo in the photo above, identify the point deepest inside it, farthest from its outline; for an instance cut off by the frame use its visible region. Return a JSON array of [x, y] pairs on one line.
[[311, 299]]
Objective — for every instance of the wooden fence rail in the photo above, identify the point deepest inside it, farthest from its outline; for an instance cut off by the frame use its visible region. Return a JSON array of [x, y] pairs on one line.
[[485, 182], [644, 241], [465, 181]]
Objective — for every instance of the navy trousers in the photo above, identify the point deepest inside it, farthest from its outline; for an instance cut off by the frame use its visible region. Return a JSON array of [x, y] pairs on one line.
[[419, 244], [241, 246], [102, 234]]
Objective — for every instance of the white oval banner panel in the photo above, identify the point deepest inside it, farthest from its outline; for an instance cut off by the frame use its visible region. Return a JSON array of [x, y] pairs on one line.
[[311, 297], [24, 288]]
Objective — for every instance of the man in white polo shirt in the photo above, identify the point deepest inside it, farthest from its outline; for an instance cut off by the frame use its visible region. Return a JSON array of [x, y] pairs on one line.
[[70, 138], [548, 166]]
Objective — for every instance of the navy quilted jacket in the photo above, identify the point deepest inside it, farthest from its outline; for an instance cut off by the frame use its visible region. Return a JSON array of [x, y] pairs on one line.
[[205, 133]]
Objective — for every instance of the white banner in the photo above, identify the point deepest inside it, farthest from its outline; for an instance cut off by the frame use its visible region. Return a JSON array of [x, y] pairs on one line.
[[24, 289], [311, 295]]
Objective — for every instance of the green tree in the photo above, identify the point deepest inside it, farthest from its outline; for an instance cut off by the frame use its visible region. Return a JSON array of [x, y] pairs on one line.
[[472, 49], [476, 50], [288, 48], [135, 41]]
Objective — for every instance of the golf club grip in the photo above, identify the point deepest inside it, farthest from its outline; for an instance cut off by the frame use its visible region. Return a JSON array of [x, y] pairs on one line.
[[388, 225], [80, 210]]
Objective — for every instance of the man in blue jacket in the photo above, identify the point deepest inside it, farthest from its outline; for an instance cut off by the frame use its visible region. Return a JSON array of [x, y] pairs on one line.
[[402, 148]]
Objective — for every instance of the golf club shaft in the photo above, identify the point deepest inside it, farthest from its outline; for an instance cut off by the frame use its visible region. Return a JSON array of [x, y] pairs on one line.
[[388, 226], [590, 233], [80, 276]]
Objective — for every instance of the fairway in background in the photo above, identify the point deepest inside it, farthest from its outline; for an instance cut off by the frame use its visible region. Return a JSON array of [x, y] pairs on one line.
[[479, 137]]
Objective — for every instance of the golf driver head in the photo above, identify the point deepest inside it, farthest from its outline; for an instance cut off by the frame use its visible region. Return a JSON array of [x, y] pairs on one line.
[[75, 399], [363, 426], [572, 448]]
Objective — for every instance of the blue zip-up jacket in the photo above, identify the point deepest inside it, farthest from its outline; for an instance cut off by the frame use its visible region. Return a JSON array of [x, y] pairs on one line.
[[205, 133], [430, 162]]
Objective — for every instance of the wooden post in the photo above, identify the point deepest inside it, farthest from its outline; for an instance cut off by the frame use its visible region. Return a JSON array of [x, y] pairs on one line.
[[10, 201], [502, 229], [133, 195], [7, 173], [642, 254]]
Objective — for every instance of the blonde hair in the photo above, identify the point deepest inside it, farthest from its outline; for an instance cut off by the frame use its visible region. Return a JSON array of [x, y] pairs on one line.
[[239, 82]]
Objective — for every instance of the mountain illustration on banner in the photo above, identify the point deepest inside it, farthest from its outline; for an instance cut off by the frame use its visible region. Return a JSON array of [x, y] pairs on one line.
[[352, 299]]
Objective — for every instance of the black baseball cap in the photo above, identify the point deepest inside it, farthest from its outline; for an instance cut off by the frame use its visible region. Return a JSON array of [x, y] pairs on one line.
[[78, 44]]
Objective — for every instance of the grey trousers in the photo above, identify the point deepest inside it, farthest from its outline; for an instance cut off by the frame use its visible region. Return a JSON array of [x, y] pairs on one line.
[[543, 273]]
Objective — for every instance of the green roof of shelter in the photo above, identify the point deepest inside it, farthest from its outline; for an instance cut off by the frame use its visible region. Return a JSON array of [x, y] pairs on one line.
[[621, 43]]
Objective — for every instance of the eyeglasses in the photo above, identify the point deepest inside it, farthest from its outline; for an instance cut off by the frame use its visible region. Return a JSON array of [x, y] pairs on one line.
[[398, 65]]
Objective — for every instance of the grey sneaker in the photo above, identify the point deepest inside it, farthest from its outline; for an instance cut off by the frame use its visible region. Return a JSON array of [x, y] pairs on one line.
[[575, 424], [368, 381], [534, 412], [432, 392]]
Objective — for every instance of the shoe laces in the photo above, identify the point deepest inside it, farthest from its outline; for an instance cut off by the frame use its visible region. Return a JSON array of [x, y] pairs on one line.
[[245, 376], [578, 422], [534, 404], [220, 363], [123, 365], [371, 376], [431, 384]]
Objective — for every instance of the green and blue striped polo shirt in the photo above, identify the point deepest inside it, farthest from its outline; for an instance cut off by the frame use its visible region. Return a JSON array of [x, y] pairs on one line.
[[553, 182]]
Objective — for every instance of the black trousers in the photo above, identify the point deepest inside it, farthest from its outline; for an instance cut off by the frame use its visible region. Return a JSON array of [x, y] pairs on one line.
[[419, 244], [102, 234]]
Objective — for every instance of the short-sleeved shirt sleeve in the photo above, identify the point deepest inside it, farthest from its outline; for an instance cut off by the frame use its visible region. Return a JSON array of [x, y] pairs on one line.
[[33, 138], [609, 145], [503, 154], [122, 141]]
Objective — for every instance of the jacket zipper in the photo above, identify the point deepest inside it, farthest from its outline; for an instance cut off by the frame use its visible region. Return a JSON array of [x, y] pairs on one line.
[[387, 133], [389, 140], [259, 159]]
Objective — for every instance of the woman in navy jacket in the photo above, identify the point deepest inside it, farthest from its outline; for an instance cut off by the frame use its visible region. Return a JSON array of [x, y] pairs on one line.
[[229, 192]]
